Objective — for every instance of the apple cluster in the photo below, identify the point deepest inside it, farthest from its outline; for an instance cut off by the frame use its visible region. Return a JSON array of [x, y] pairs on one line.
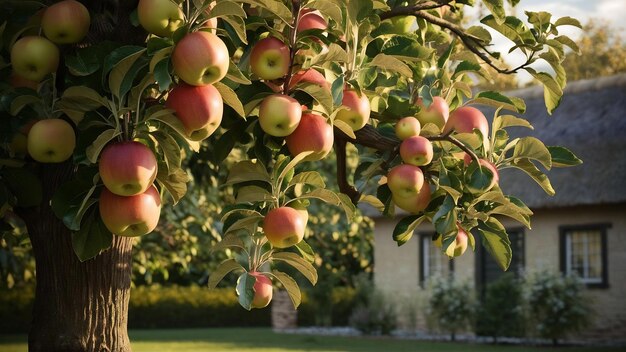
[[34, 57]]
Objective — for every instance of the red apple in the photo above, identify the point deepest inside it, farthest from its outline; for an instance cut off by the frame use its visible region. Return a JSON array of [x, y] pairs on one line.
[[416, 150], [130, 216], [51, 141], [270, 58], [414, 203], [408, 127], [200, 58], [311, 19], [312, 134], [309, 76], [66, 22], [199, 108], [465, 119], [437, 113], [357, 113], [459, 246], [484, 164], [127, 168], [34, 57], [160, 17], [284, 227], [405, 180], [262, 290], [279, 115]]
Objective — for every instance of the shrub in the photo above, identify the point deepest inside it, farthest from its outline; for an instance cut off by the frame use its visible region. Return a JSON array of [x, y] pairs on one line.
[[451, 306], [373, 313], [557, 305], [501, 312]]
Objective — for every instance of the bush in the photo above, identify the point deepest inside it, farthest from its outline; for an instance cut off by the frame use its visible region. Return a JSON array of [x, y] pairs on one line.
[[373, 313], [557, 305], [502, 310], [16, 306], [451, 306], [338, 307]]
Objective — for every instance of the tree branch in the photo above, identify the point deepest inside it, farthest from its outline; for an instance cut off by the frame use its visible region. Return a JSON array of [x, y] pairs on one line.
[[342, 174]]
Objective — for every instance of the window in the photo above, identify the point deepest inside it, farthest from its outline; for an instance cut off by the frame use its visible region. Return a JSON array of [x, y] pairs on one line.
[[583, 253], [433, 262]]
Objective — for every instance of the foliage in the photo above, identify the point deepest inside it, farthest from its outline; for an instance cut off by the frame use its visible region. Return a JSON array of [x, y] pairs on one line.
[[557, 305], [117, 91], [452, 305], [501, 312], [375, 312]]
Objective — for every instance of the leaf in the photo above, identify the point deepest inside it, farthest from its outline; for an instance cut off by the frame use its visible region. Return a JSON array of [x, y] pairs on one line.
[[306, 251], [503, 121], [222, 270], [162, 74], [498, 100], [512, 28], [496, 241], [93, 151], [296, 261], [230, 98], [391, 63], [290, 285], [247, 222], [84, 94], [466, 66], [563, 157], [445, 217], [320, 94], [512, 211], [344, 127], [404, 229], [175, 183], [230, 240], [552, 92], [312, 178], [247, 170], [238, 26], [290, 166], [92, 237], [496, 7], [171, 150], [253, 194], [531, 170], [234, 74], [565, 40], [23, 101], [119, 63], [323, 194], [534, 149], [277, 8], [568, 21], [226, 8], [245, 290], [373, 201], [23, 185]]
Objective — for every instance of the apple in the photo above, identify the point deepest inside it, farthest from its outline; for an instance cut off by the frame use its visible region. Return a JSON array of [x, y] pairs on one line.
[[416, 150], [310, 51], [127, 168], [130, 216], [414, 203], [437, 113], [465, 119], [279, 115], [199, 108], [51, 141], [301, 208], [357, 113], [311, 19], [262, 290], [459, 246], [270, 58], [405, 180], [408, 127], [34, 57], [284, 227], [160, 17], [17, 81], [66, 22], [312, 134], [200, 58], [309, 76], [467, 160]]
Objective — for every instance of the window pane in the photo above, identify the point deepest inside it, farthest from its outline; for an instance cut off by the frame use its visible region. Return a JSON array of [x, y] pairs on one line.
[[434, 262], [585, 248]]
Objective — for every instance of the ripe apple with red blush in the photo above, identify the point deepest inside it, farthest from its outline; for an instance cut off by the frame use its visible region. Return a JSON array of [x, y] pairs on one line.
[[312, 134], [405, 180], [466, 119], [357, 109], [437, 112], [127, 168], [51, 141], [200, 58], [279, 115], [270, 58], [284, 227], [130, 216], [199, 108], [416, 150], [407, 127], [262, 290], [66, 22]]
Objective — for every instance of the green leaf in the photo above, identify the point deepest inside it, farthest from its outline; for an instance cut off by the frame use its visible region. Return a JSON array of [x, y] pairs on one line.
[[344, 127], [226, 8], [404, 229], [290, 285], [234, 74], [466, 66], [324, 195], [512, 28], [496, 7], [496, 241], [119, 63], [92, 238], [565, 40], [230, 98], [170, 148], [175, 182], [306, 251], [531, 170], [445, 217], [568, 21], [93, 151], [392, 64], [277, 8], [296, 261], [162, 74], [230, 240], [552, 92], [312, 178], [563, 157], [498, 100], [245, 290], [22, 101], [247, 170], [290, 166], [512, 211], [222, 270], [504, 121], [23, 185], [320, 94], [238, 25], [253, 194], [84, 95], [534, 149]]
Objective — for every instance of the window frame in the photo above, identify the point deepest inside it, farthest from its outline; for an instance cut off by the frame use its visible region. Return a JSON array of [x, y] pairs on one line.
[[421, 258], [604, 260]]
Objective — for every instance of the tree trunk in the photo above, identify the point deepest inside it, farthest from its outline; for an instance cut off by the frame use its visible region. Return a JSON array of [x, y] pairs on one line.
[[78, 306]]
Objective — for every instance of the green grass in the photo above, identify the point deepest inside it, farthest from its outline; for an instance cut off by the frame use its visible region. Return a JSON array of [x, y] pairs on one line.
[[264, 340]]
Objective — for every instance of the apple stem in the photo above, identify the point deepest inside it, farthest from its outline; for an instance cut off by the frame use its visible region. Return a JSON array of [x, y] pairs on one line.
[[295, 10]]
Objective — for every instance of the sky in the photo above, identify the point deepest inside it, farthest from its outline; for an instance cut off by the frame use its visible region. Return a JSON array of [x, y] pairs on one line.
[[610, 11]]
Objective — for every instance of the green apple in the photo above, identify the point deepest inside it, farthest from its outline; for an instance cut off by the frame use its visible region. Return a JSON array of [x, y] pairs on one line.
[[279, 115], [51, 141], [200, 58], [405, 180], [416, 150], [437, 113], [357, 112], [66, 22], [160, 17], [199, 108], [408, 127], [270, 58], [284, 227], [34, 57], [312, 134], [262, 290], [127, 168], [130, 216]]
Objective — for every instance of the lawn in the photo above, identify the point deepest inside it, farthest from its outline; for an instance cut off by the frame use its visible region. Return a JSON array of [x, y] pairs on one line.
[[264, 340]]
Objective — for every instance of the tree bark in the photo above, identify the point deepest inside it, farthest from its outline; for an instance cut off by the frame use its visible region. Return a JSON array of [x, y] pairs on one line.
[[78, 306]]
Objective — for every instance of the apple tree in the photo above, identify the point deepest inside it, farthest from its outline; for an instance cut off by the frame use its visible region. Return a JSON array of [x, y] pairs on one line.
[[104, 103]]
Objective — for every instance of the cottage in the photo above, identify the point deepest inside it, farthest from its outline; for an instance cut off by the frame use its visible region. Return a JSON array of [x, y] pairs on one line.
[[580, 230]]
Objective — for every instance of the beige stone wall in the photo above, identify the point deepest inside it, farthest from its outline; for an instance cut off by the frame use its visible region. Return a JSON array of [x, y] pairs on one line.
[[397, 268]]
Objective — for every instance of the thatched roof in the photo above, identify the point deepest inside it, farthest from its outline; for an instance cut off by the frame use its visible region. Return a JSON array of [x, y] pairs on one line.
[[591, 121]]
